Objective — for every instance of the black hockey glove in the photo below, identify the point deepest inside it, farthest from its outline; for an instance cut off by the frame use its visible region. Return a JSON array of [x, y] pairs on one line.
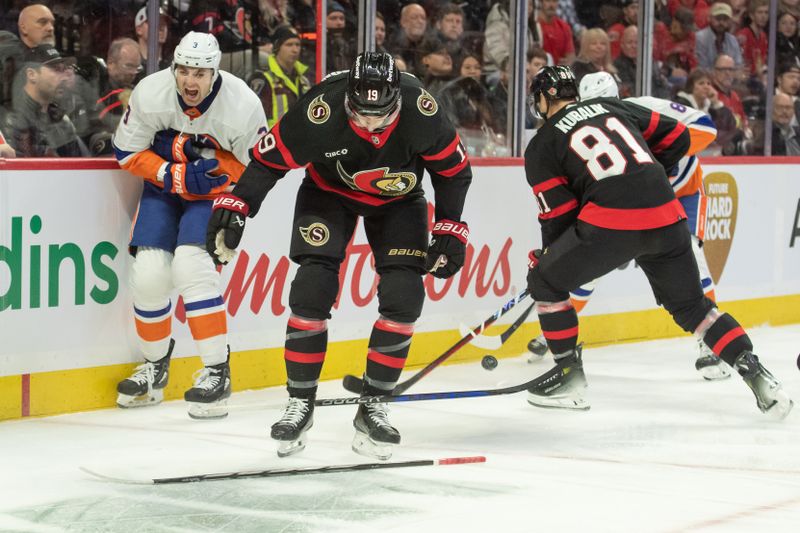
[[173, 146], [533, 260], [225, 228], [447, 249]]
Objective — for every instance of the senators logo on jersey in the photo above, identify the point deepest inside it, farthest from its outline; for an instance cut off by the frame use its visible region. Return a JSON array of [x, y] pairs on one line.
[[318, 110], [426, 104], [378, 181], [316, 234]]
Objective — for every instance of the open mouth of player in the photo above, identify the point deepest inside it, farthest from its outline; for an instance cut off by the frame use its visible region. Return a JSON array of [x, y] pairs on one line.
[[191, 94]]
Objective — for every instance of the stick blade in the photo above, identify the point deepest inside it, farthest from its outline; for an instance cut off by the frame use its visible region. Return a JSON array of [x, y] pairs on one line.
[[352, 383], [481, 341], [115, 479]]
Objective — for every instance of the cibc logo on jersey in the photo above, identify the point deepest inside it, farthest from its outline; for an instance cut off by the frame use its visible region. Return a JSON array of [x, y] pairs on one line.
[[378, 181]]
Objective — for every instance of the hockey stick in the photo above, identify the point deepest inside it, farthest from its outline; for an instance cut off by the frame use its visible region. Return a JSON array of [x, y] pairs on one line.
[[493, 342], [279, 472], [424, 396], [355, 384]]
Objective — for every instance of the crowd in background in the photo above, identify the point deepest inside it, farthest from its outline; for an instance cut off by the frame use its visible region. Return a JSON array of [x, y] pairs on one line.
[[67, 67]]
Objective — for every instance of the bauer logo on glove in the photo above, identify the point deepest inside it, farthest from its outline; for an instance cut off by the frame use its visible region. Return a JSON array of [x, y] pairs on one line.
[[448, 248]]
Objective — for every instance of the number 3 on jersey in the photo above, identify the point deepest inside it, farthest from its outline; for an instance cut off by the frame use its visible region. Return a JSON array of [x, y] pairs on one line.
[[602, 156]]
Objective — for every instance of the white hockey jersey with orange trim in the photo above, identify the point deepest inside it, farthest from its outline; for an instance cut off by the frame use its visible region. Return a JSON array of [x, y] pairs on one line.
[[231, 119]]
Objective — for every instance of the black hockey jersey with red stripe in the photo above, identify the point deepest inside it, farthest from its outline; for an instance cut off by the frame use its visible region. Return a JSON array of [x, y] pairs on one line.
[[603, 161], [369, 168]]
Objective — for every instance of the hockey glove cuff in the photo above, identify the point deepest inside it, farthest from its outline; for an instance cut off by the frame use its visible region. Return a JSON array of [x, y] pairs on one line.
[[447, 249], [225, 227]]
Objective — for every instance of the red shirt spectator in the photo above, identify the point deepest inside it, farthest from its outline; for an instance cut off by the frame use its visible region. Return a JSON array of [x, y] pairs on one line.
[[630, 13], [753, 37], [674, 45], [699, 7], [555, 33]]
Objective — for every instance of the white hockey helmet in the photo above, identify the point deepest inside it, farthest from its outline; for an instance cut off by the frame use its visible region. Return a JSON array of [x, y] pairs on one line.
[[198, 50], [598, 84]]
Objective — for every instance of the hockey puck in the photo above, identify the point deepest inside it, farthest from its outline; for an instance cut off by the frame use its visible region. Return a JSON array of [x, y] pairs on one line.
[[489, 362]]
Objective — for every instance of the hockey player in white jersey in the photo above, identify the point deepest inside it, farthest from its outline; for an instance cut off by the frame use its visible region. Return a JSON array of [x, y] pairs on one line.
[[686, 179], [186, 132]]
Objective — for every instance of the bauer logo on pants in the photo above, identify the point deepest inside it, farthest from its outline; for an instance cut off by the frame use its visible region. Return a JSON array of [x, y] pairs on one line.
[[723, 203], [316, 234]]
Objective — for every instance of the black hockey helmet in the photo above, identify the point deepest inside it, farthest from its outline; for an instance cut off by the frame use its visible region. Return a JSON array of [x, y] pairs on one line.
[[555, 83], [373, 86]]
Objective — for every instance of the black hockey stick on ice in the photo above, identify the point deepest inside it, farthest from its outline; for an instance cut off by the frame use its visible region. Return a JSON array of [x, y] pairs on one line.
[[494, 342], [425, 396], [354, 384], [282, 472]]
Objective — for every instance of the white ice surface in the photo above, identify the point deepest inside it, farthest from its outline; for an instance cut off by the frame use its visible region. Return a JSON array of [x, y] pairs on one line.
[[660, 451]]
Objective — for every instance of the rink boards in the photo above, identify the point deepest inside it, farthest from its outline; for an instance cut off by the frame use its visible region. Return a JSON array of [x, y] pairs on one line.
[[66, 332]]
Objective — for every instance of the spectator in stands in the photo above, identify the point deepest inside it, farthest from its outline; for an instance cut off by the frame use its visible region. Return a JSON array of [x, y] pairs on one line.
[[38, 127], [449, 26], [785, 130], [284, 81], [717, 39], [413, 24], [341, 47], [10, 59], [630, 13], [567, 11], [594, 55], [497, 37], [115, 85], [556, 35], [36, 26], [142, 29], [466, 103], [701, 94], [380, 33], [674, 46], [753, 37], [699, 9], [469, 65], [723, 77], [788, 79], [739, 10], [787, 42], [536, 59], [434, 63], [625, 63]]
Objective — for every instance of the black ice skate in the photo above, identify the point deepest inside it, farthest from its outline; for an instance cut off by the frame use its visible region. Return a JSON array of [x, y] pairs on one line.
[[538, 349], [563, 386], [770, 396], [290, 430], [208, 398], [711, 367], [374, 434], [146, 385]]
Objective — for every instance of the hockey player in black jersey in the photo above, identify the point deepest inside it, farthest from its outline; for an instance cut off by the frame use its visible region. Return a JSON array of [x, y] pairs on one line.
[[597, 172], [365, 138]]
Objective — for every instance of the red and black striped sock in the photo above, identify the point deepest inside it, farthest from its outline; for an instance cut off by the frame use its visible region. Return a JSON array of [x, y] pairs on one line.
[[304, 353], [388, 348], [559, 323], [727, 338]]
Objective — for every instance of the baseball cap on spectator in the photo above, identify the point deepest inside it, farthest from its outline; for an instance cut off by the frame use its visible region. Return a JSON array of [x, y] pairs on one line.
[[721, 8], [282, 34], [141, 15], [335, 6], [45, 54]]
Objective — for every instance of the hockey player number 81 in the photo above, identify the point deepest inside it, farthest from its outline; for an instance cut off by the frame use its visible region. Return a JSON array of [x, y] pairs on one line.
[[592, 152]]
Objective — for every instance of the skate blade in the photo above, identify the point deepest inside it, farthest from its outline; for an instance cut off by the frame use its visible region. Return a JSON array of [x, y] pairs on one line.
[[715, 372], [363, 445], [208, 411], [781, 408], [291, 447], [575, 403], [154, 397], [535, 358]]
